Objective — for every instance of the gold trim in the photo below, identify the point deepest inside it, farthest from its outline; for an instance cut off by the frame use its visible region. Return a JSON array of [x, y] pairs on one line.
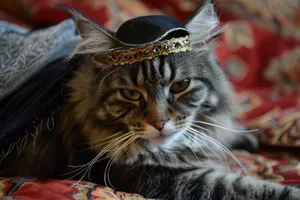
[[137, 54]]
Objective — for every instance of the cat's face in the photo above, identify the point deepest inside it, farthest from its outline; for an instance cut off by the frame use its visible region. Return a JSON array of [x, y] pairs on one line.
[[149, 102], [156, 99]]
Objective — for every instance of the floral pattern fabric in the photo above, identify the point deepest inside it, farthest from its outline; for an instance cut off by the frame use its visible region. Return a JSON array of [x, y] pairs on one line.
[[262, 61], [262, 166], [30, 188]]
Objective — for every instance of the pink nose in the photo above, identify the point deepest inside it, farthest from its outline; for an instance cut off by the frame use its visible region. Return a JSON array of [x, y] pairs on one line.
[[159, 125]]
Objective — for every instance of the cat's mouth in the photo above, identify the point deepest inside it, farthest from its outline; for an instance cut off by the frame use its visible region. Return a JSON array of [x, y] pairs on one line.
[[154, 135], [161, 136]]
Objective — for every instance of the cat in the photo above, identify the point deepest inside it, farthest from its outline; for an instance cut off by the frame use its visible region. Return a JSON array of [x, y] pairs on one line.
[[157, 127]]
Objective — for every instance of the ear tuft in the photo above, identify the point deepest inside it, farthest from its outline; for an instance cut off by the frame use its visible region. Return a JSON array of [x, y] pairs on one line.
[[204, 25], [94, 38]]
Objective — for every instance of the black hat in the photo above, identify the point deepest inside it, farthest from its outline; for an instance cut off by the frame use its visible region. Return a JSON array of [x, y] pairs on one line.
[[147, 37]]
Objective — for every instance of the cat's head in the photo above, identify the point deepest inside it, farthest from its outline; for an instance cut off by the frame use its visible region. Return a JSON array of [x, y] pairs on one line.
[[156, 100]]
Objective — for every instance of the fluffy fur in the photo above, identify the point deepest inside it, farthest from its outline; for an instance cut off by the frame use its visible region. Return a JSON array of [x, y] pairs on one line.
[[159, 128]]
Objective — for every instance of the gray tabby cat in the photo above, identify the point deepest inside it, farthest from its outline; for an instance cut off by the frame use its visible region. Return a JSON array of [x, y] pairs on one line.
[[156, 128]]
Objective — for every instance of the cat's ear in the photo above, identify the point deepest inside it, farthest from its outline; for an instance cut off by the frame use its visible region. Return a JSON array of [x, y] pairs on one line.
[[86, 28], [204, 25], [94, 38]]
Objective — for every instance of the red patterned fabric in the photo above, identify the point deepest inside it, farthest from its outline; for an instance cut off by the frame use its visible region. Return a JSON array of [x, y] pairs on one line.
[[32, 189], [110, 13], [282, 169], [262, 61], [5, 16]]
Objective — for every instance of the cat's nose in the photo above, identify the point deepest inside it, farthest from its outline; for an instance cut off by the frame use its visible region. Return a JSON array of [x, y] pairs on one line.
[[159, 125]]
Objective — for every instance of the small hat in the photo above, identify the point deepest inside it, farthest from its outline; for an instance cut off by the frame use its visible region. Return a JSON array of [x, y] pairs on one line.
[[148, 37]]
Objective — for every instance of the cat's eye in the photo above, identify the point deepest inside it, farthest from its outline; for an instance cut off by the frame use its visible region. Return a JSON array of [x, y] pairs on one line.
[[131, 95], [180, 86]]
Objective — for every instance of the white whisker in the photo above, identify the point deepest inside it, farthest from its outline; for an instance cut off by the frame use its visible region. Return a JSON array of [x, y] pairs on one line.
[[213, 141], [204, 129], [106, 77], [107, 168], [109, 141], [87, 166], [110, 146], [219, 123], [223, 161], [225, 128], [189, 136]]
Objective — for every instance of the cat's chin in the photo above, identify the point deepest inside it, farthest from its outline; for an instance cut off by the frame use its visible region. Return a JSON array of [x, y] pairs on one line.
[[158, 140]]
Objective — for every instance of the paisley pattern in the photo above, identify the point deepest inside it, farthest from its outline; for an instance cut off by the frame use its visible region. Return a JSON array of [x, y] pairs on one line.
[[260, 54], [30, 188], [235, 67], [281, 16], [238, 35], [276, 167], [261, 166], [284, 71]]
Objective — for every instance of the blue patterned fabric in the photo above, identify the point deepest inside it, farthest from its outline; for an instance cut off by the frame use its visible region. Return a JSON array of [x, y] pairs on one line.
[[24, 53], [33, 73]]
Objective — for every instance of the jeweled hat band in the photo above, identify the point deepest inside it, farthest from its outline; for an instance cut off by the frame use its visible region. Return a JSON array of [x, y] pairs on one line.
[[121, 56], [146, 37]]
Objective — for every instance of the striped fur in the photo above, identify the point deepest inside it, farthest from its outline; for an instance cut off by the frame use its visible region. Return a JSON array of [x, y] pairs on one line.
[[111, 140]]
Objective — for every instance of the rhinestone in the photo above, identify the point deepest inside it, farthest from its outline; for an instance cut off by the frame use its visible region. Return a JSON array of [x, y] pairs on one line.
[[125, 58], [146, 52], [187, 42], [156, 49], [175, 44], [166, 47]]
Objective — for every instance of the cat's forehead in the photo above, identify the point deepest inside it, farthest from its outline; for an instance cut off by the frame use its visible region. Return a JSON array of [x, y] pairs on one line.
[[157, 73], [179, 62]]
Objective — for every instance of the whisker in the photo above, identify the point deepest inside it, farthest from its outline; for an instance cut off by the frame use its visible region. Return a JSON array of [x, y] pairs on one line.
[[106, 77], [96, 77], [77, 174], [112, 140], [205, 129], [223, 161], [208, 157], [210, 132], [219, 123], [226, 128], [79, 167], [111, 119], [107, 168], [113, 144], [213, 141], [87, 167]]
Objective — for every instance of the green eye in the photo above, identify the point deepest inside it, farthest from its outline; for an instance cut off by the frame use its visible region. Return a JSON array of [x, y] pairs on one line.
[[180, 86], [131, 95]]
